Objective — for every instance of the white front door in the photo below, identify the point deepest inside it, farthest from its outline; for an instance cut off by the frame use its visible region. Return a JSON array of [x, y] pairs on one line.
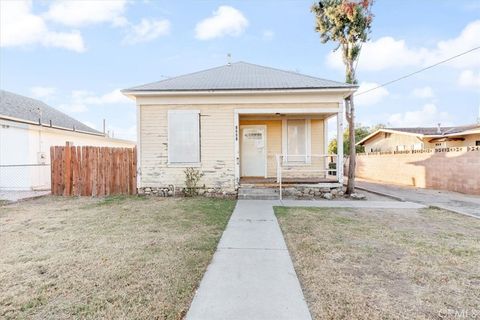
[[253, 151]]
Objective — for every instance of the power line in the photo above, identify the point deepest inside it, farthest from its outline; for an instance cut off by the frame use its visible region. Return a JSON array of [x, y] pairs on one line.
[[418, 71]]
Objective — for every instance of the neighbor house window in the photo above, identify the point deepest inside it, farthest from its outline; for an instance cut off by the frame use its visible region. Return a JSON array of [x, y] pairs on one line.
[[477, 143], [183, 136], [417, 146]]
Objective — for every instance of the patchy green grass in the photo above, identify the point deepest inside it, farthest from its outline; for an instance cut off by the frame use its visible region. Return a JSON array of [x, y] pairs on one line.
[[116, 257], [385, 263]]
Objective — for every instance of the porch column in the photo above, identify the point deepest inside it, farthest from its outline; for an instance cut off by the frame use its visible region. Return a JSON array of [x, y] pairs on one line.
[[340, 143], [325, 145], [236, 158]]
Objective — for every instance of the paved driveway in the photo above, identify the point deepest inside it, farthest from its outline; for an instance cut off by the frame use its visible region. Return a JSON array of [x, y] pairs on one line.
[[453, 201]]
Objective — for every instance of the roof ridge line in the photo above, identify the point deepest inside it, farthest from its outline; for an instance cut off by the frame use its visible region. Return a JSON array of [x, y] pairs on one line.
[[296, 73], [175, 77]]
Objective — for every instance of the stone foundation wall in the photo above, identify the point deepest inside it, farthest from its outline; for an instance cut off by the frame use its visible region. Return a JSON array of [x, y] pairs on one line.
[[290, 192], [305, 193], [171, 191]]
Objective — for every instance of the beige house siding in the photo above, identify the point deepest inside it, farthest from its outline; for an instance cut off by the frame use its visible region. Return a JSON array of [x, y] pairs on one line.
[[469, 141], [380, 142], [217, 142]]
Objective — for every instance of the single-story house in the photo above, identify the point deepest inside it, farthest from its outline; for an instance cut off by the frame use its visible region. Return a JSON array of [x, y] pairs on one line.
[[402, 139], [238, 123], [28, 127]]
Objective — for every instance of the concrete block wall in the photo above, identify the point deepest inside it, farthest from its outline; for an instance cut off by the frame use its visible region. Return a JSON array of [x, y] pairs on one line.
[[454, 169]]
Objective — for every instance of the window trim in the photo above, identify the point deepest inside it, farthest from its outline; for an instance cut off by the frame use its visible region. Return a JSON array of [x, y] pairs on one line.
[[184, 164], [308, 142]]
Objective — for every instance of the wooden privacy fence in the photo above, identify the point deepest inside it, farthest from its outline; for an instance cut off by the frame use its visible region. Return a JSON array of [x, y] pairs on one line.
[[93, 171]]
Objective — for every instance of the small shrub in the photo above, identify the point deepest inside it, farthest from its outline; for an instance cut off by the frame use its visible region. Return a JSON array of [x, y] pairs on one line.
[[192, 177]]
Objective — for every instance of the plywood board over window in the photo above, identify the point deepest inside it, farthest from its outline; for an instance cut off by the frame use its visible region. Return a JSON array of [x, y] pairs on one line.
[[183, 137]]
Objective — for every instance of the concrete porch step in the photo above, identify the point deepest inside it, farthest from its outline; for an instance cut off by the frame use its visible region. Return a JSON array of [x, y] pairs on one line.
[[252, 193]]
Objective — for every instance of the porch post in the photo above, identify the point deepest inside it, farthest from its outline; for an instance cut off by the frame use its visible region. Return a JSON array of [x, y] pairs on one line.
[[325, 144], [340, 142], [236, 137]]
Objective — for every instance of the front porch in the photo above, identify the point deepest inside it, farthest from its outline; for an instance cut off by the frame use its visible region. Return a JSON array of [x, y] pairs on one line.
[[287, 148]]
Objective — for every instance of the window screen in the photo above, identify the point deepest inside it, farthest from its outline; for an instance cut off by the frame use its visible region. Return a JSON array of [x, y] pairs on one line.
[[183, 137], [296, 141]]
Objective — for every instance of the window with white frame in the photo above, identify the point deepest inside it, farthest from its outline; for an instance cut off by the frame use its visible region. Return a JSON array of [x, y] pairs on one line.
[[296, 138], [183, 137]]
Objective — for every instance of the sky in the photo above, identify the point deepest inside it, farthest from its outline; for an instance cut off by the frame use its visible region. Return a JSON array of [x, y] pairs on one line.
[[77, 55]]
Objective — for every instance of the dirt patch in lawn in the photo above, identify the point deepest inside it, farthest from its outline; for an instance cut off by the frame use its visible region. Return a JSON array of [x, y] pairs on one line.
[[385, 263], [118, 257]]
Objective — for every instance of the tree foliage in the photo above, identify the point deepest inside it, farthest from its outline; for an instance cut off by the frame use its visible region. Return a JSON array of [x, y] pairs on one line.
[[360, 133], [346, 22]]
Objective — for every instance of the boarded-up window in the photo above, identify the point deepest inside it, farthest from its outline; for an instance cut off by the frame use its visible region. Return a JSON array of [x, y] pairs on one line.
[[183, 136]]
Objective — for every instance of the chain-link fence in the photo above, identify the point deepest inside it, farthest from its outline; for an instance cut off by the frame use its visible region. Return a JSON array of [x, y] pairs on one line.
[[25, 177]]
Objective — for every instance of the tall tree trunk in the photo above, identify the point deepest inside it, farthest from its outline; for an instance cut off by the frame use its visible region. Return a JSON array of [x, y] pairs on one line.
[[352, 158], [350, 115]]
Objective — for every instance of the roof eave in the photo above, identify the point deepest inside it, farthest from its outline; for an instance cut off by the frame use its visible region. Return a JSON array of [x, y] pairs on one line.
[[132, 93], [371, 135], [96, 133]]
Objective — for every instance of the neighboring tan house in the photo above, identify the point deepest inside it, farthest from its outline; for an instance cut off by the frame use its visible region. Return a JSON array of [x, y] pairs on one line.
[[28, 128], [401, 139], [237, 123]]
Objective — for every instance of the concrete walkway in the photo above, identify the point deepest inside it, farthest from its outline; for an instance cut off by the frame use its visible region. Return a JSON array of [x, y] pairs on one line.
[[251, 275], [453, 201]]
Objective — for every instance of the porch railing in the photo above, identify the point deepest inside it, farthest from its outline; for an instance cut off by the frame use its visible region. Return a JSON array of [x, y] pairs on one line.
[[308, 166]]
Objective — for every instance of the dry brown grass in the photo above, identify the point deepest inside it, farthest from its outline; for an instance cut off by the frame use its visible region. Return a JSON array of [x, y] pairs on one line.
[[121, 257], [385, 264]]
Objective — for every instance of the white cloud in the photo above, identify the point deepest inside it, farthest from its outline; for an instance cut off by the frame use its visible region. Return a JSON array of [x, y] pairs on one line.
[[113, 97], [429, 115], [372, 97], [425, 92], [43, 92], [81, 99], [85, 12], [469, 79], [387, 52], [147, 30], [20, 27], [225, 21], [268, 34], [77, 103]]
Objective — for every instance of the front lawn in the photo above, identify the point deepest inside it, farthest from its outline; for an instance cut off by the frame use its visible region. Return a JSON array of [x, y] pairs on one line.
[[119, 257], [385, 263]]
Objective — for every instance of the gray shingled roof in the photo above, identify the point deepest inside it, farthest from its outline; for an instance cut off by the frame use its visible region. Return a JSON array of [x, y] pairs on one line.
[[240, 76], [23, 108], [433, 131]]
